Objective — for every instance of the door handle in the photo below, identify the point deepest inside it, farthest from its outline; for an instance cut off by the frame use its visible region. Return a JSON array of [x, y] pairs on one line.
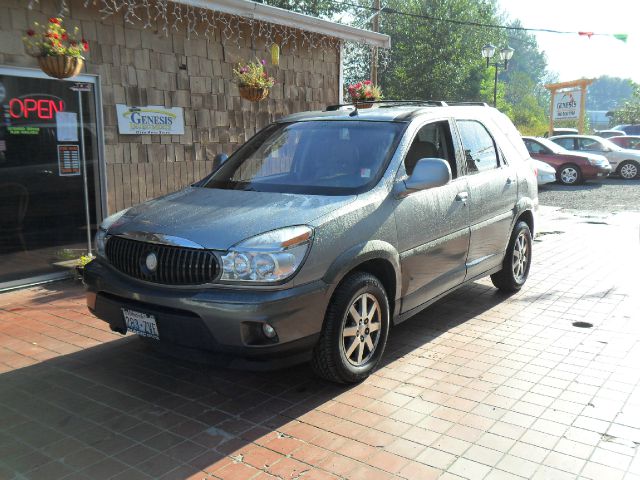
[[462, 197]]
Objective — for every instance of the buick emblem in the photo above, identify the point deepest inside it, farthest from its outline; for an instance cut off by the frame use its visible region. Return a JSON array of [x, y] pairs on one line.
[[151, 262]]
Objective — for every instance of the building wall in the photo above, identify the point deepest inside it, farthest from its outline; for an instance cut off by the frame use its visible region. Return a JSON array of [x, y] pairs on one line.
[[143, 67]]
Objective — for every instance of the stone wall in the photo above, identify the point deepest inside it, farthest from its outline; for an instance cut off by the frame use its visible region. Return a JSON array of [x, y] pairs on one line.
[[143, 67]]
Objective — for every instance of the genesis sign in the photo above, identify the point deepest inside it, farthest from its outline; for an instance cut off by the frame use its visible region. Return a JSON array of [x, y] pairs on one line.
[[566, 105], [150, 120]]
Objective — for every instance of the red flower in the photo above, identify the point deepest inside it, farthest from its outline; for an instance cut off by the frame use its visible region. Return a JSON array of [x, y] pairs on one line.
[[367, 82], [65, 36], [31, 33], [54, 20], [85, 45], [56, 36]]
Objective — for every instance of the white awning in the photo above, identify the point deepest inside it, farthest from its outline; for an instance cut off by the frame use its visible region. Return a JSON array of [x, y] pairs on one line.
[[266, 13]]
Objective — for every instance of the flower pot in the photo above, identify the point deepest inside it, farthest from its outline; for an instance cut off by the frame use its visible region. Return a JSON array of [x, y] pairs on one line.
[[253, 94], [61, 66], [363, 104]]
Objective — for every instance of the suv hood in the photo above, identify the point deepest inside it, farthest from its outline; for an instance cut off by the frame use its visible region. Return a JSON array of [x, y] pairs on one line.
[[218, 219]]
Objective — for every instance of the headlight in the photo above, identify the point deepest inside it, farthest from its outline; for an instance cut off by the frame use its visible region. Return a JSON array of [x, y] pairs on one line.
[[601, 162], [269, 257], [101, 234]]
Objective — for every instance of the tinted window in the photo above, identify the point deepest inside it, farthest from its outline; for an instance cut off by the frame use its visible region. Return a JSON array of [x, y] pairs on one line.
[[432, 141], [314, 157], [479, 148], [565, 142]]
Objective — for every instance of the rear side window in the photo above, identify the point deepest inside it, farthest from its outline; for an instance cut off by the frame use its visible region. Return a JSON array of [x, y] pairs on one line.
[[565, 143], [479, 147]]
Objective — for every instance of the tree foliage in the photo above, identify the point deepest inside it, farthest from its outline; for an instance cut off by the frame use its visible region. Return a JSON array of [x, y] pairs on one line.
[[629, 113], [607, 93], [441, 60], [432, 59], [317, 8]]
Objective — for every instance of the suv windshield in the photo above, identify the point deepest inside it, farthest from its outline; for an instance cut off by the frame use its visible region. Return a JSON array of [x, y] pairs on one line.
[[331, 157]]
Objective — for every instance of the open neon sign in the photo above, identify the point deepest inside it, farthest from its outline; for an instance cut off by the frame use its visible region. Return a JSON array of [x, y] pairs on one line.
[[34, 108]]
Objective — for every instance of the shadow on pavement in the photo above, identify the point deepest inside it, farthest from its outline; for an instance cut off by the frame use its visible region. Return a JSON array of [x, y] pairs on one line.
[[122, 409]]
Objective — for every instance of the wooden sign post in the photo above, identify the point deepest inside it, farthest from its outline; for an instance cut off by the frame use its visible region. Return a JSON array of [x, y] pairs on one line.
[[564, 87]]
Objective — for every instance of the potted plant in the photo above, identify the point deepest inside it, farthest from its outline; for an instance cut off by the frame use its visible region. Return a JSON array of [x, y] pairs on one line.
[[59, 53], [253, 80], [364, 93]]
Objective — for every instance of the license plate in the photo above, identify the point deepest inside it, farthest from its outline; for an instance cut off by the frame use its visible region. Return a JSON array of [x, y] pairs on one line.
[[141, 323]]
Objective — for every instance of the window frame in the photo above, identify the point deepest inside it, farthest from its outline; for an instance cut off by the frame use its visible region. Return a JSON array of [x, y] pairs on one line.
[[500, 158], [455, 145]]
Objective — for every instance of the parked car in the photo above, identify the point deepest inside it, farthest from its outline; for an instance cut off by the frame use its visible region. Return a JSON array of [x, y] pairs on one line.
[[609, 133], [627, 141], [545, 173], [321, 231], [625, 163], [628, 129], [571, 168], [562, 131]]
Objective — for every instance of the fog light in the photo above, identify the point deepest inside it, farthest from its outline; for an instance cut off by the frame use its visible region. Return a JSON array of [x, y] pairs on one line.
[[268, 330]]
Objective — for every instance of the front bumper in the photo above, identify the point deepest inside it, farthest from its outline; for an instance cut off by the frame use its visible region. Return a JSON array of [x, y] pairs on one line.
[[596, 171], [216, 320]]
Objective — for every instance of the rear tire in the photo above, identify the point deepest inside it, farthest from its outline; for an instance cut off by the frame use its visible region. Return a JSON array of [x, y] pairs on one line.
[[355, 330], [569, 174], [517, 260], [629, 170]]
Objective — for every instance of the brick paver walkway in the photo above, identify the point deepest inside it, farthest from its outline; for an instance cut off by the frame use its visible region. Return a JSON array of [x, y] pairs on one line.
[[479, 385]]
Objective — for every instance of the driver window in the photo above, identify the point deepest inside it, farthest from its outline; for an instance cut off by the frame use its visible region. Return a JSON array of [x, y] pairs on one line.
[[432, 141]]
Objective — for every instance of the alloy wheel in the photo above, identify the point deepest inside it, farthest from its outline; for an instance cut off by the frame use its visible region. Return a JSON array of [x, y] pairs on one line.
[[629, 171], [361, 329], [520, 257], [569, 175]]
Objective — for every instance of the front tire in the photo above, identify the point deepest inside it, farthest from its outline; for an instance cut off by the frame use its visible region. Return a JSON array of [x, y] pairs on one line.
[[569, 174], [355, 330], [517, 260], [629, 170]]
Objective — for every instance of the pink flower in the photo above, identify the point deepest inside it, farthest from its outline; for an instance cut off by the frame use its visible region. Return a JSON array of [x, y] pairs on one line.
[[263, 62], [367, 82]]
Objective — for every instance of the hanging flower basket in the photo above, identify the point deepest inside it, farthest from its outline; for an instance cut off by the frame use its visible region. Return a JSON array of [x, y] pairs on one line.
[[61, 66], [253, 94], [363, 94], [59, 52], [360, 104], [253, 80]]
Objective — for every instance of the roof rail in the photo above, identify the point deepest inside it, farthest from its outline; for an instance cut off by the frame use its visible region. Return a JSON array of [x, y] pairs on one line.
[[389, 103], [462, 104], [394, 103]]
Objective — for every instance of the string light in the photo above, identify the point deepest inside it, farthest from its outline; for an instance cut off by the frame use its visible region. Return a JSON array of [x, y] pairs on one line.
[[201, 21]]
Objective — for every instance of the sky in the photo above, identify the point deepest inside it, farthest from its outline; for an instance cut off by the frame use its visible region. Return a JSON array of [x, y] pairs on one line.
[[573, 56]]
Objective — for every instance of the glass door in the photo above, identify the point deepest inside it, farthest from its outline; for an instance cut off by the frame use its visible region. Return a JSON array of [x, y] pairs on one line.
[[49, 176]]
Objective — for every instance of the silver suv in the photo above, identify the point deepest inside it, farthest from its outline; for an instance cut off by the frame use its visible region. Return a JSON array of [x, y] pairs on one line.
[[319, 233]]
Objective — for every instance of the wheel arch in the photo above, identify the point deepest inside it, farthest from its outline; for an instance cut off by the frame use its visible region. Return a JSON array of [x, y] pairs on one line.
[[376, 257]]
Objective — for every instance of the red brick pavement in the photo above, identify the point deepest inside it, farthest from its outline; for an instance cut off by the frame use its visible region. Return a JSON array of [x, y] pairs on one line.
[[477, 386]]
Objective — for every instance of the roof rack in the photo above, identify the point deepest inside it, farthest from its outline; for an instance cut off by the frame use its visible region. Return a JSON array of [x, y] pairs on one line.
[[395, 103], [389, 103]]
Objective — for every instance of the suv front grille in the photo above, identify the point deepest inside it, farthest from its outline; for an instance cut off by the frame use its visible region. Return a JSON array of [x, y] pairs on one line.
[[175, 265]]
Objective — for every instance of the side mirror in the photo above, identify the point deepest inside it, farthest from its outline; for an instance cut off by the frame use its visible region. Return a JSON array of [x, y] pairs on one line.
[[428, 173], [219, 159]]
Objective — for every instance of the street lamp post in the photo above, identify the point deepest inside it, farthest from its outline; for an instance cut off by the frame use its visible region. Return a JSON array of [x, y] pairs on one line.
[[488, 51]]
